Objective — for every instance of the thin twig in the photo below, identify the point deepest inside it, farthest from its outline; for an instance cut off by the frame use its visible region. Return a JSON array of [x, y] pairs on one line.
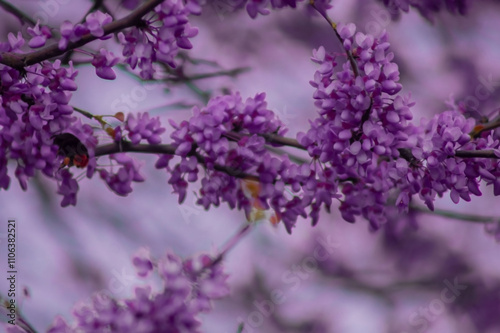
[[456, 215], [485, 127], [231, 73], [487, 153], [23, 18], [231, 243], [334, 27], [270, 138]]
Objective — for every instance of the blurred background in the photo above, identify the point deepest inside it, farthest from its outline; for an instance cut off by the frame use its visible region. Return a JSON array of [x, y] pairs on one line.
[[420, 273]]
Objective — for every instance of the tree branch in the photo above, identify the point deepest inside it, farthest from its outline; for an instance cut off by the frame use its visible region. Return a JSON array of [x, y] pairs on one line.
[[19, 61], [23, 18], [125, 146], [487, 153]]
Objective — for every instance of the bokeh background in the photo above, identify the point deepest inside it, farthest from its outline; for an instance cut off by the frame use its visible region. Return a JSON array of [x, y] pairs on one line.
[[392, 280]]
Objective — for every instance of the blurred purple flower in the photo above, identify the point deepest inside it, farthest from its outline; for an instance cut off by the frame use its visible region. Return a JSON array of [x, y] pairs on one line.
[[189, 287]]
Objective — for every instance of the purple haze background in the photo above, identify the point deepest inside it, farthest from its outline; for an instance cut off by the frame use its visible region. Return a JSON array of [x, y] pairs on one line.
[[371, 282]]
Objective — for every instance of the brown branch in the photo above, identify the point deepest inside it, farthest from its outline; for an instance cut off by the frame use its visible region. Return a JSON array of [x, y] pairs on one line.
[[96, 6], [124, 146], [231, 243], [19, 61], [23, 18], [484, 128], [20, 321], [231, 73]]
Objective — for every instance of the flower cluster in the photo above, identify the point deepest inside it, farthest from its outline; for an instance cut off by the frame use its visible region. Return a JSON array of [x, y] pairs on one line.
[[189, 286], [364, 150], [228, 137], [362, 122], [144, 128], [364, 136], [225, 133], [33, 109], [436, 148], [159, 38], [103, 62]]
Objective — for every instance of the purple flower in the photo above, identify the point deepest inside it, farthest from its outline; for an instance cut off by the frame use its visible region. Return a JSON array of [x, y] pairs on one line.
[[162, 161], [103, 63], [493, 229], [231, 133], [255, 7], [121, 181], [40, 35], [95, 22], [130, 4], [16, 42], [142, 262], [426, 8]]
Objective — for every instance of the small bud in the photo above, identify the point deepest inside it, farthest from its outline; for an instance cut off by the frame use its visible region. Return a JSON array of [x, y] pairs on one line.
[[120, 116]]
